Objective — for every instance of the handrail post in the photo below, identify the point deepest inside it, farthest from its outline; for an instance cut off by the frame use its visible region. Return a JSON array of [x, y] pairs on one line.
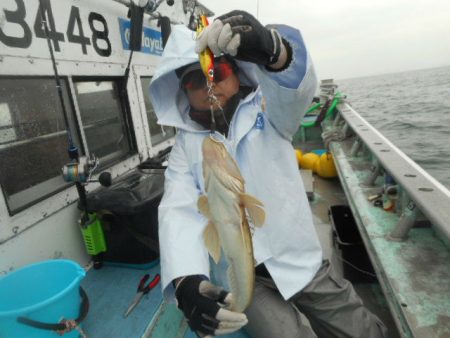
[[376, 171], [405, 223], [345, 129], [356, 147], [337, 119]]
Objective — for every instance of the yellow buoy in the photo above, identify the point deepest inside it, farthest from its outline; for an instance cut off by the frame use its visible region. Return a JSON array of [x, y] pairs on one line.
[[316, 167], [298, 154], [325, 167], [308, 160]]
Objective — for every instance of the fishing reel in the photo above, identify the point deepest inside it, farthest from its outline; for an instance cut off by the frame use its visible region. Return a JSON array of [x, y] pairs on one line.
[[81, 171]]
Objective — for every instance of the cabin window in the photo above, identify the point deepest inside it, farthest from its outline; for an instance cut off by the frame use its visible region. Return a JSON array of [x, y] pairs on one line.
[[105, 125], [33, 140], [158, 133]]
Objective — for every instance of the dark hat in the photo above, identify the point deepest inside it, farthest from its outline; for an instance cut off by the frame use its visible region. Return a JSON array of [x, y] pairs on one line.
[[182, 71]]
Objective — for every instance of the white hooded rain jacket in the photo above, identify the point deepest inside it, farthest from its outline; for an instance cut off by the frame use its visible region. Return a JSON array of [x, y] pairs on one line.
[[260, 142]]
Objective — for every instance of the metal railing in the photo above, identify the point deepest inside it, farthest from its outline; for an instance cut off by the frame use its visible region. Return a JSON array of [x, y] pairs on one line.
[[420, 192]]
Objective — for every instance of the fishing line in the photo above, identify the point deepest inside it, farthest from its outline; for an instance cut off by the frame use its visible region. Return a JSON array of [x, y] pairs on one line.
[[212, 98], [202, 22]]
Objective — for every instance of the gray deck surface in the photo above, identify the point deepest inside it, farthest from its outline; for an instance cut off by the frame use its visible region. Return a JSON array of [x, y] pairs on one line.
[[329, 192], [111, 289]]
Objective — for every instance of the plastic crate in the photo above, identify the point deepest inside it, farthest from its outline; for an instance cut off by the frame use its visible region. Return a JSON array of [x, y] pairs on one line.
[[356, 262]]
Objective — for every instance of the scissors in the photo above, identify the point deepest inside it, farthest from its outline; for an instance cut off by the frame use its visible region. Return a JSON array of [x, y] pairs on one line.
[[141, 291]]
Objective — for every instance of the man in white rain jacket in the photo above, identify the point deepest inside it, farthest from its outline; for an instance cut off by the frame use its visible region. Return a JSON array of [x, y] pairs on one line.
[[274, 64]]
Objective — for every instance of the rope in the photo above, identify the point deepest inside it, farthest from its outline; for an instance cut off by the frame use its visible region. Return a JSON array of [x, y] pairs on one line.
[[332, 134], [70, 326], [63, 326], [355, 267]]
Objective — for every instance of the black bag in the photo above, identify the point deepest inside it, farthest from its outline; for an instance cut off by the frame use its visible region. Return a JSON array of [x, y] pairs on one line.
[[128, 210]]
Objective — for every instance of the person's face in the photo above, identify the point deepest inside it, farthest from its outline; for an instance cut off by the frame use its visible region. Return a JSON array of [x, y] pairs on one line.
[[225, 86]]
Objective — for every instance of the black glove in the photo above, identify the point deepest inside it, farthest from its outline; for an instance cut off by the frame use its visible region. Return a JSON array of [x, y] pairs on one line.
[[240, 34], [202, 304]]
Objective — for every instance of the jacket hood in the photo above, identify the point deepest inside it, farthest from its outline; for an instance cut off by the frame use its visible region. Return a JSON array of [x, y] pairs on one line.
[[169, 101]]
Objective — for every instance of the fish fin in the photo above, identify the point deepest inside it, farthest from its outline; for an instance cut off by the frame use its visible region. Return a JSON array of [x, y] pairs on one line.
[[203, 206], [212, 242], [246, 237], [254, 208], [230, 182], [247, 199], [233, 169]]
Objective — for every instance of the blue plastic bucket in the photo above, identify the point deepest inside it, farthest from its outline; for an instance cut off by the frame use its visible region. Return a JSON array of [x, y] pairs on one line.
[[46, 292]]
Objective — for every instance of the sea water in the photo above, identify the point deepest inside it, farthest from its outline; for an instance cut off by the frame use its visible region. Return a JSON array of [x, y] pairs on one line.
[[412, 109]]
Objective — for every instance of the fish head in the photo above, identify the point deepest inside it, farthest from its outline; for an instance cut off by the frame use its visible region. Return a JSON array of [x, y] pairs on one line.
[[214, 152], [217, 160]]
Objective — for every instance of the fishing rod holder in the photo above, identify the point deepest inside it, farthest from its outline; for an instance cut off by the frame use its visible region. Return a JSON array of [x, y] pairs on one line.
[[408, 218]]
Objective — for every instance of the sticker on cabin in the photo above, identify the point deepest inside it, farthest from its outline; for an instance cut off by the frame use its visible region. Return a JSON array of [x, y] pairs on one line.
[[259, 124], [151, 39]]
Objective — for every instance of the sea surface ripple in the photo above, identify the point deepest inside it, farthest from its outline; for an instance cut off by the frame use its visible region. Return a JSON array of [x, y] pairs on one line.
[[412, 109]]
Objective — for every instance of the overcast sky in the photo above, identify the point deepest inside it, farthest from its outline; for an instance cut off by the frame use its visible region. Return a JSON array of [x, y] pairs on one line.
[[352, 38]]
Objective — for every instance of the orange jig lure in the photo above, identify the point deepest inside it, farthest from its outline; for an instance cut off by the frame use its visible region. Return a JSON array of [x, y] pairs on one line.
[[206, 56]]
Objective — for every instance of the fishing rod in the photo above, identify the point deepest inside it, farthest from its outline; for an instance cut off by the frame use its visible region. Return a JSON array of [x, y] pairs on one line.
[[80, 169], [73, 150]]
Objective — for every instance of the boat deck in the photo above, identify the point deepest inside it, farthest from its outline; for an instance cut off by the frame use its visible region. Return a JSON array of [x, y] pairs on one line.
[[112, 288], [327, 193], [408, 248]]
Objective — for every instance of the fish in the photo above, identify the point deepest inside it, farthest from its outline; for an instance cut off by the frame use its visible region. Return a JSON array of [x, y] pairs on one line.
[[228, 209], [206, 57]]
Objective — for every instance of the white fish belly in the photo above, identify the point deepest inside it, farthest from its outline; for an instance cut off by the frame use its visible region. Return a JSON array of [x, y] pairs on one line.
[[236, 244], [241, 273]]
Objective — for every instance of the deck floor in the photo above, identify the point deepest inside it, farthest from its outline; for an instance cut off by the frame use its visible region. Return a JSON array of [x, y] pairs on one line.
[[328, 192], [112, 288]]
